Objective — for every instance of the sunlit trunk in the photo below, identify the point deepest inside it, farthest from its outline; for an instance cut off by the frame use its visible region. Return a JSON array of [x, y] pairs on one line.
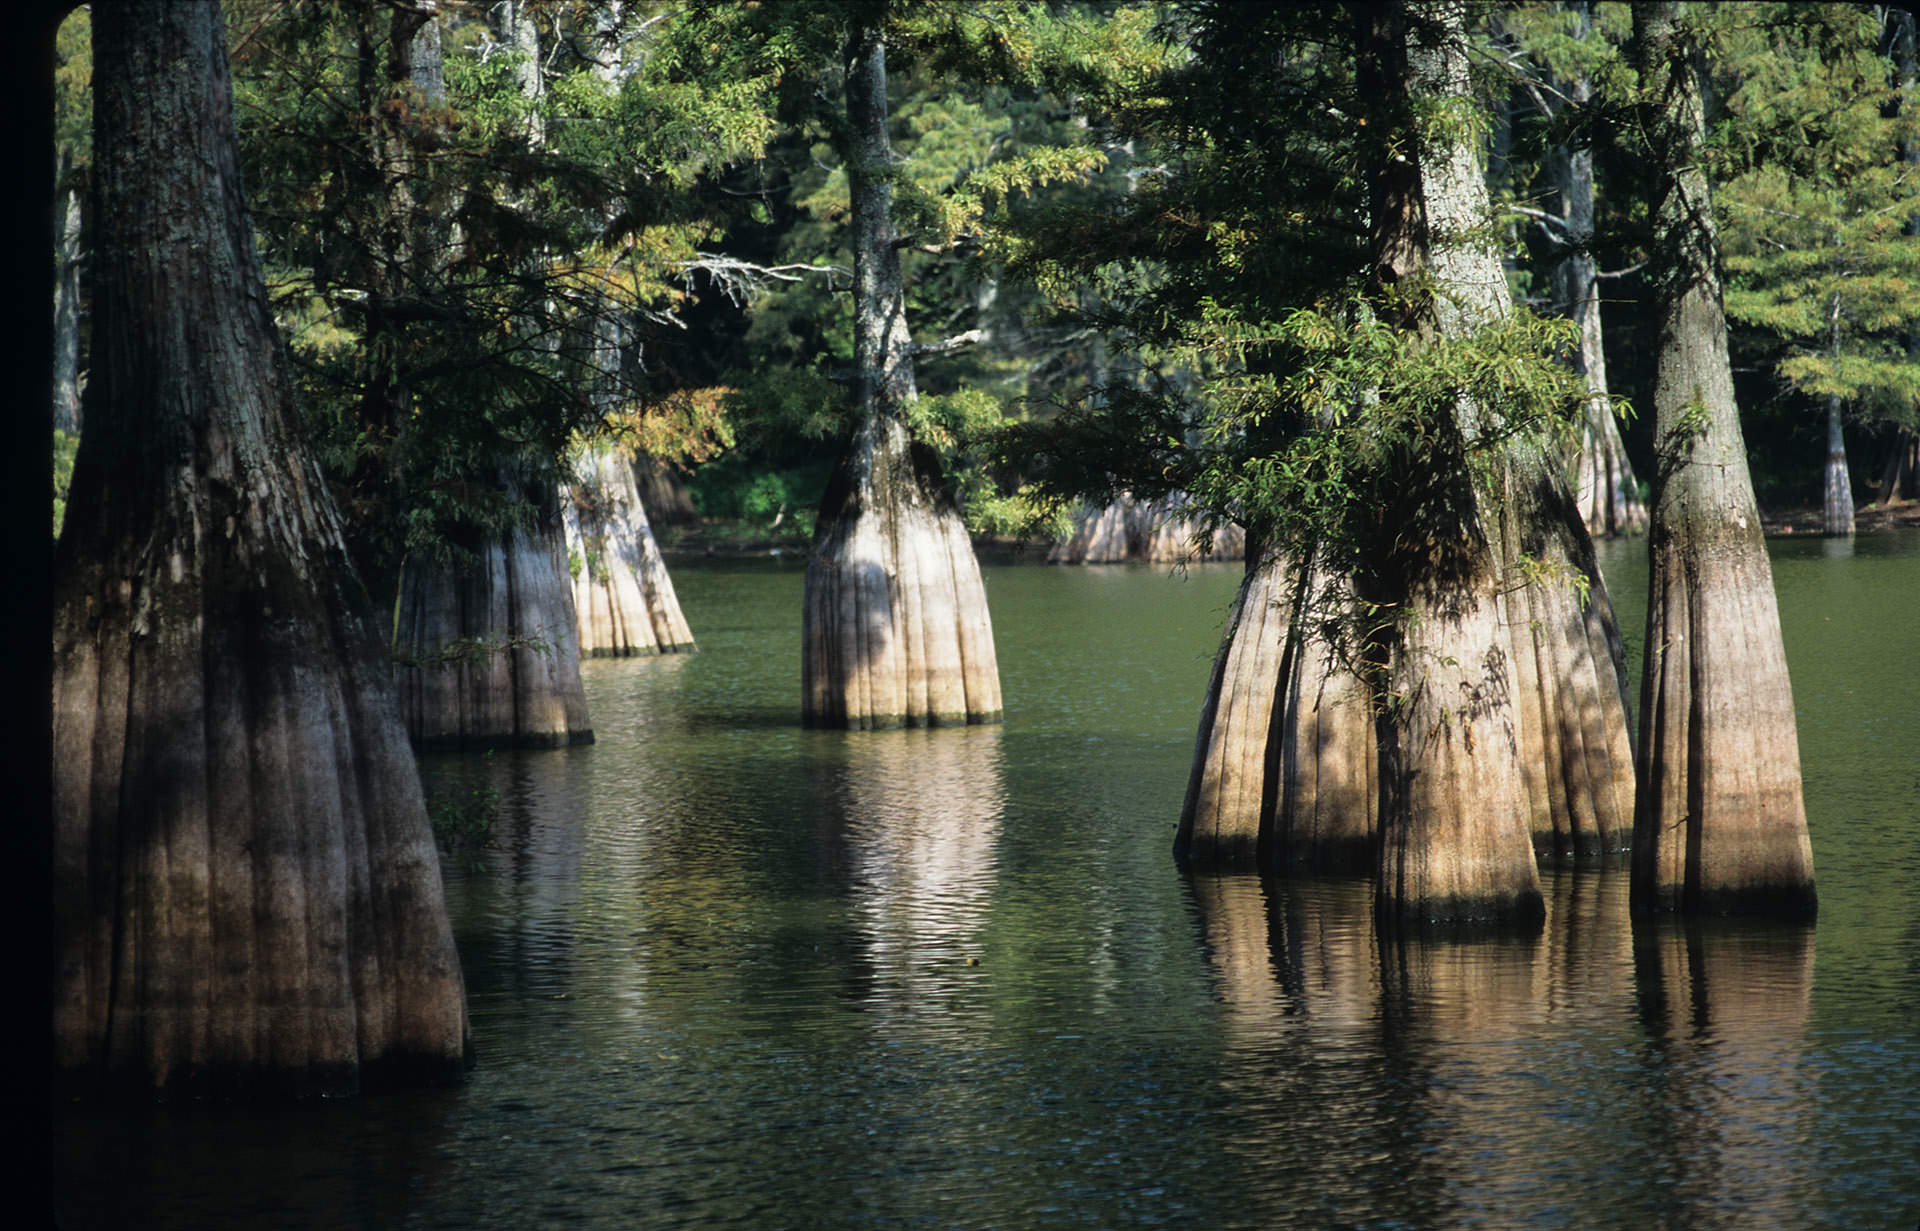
[[895, 630], [1285, 765], [1133, 531], [1719, 823], [622, 596], [248, 894], [1603, 479]]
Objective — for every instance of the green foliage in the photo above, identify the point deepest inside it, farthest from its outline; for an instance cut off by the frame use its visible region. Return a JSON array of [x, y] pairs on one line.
[[65, 446], [470, 283], [1282, 387], [1818, 208]]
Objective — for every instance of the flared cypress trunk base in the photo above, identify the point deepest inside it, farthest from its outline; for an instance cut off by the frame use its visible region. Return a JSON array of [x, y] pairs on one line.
[[895, 630], [1285, 772], [488, 645], [623, 599]]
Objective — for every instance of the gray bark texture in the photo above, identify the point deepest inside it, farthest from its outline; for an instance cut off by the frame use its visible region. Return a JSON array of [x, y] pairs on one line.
[[1837, 512], [248, 894], [488, 643], [1603, 479], [66, 313], [622, 596], [895, 630], [1719, 823]]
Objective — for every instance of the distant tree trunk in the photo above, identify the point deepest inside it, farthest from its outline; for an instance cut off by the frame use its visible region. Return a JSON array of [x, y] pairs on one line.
[[1837, 514], [622, 596], [895, 625], [248, 892], [1719, 825], [1901, 478], [1608, 493], [663, 492], [1128, 530], [488, 641], [1455, 835], [66, 311]]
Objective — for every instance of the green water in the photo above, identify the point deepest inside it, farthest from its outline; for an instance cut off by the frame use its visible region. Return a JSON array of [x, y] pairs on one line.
[[725, 972]]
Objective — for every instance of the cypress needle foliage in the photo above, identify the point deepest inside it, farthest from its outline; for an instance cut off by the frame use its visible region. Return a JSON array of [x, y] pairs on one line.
[[451, 234], [988, 122], [1818, 205], [1297, 387]]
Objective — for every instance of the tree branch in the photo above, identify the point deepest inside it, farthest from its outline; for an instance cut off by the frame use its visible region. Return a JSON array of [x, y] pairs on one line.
[[948, 345]]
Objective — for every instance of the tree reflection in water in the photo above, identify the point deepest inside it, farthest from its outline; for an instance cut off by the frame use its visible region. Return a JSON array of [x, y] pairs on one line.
[[1439, 1076]]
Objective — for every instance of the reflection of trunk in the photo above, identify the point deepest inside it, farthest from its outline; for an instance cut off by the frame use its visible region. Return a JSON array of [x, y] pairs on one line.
[[622, 595], [1455, 844], [895, 625], [1725, 1010], [248, 890], [487, 643], [1284, 767], [921, 825], [1147, 532], [1719, 823]]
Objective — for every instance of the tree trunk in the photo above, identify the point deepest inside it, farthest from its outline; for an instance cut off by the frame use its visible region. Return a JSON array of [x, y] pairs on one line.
[[1837, 520], [1837, 515], [66, 312], [1901, 479], [487, 642], [663, 493], [1607, 491], [1455, 834], [622, 595], [1570, 665], [1146, 532], [248, 893], [1719, 825], [895, 625], [1284, 770]]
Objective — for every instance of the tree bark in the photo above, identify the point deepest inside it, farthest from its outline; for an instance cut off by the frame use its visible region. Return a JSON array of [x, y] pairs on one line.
[[66, 312], [622, 595], [1455, 835], [895, 629], [1719, 823], [1607, 491], [1145, 532], [1837, 513], [487, 642], [1901, 478], [248, 892], [1285, 766]]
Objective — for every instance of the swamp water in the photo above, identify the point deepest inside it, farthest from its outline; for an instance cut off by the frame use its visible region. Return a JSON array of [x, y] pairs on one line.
[[728, 973]]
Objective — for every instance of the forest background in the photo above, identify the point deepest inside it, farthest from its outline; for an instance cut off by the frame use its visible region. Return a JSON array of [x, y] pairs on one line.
[[611, 219]]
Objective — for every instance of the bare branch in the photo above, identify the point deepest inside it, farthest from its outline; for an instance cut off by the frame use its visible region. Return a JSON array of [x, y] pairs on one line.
[[948, 345]]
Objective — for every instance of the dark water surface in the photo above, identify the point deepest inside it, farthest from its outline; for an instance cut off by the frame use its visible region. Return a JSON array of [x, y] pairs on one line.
[[728, 973]]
